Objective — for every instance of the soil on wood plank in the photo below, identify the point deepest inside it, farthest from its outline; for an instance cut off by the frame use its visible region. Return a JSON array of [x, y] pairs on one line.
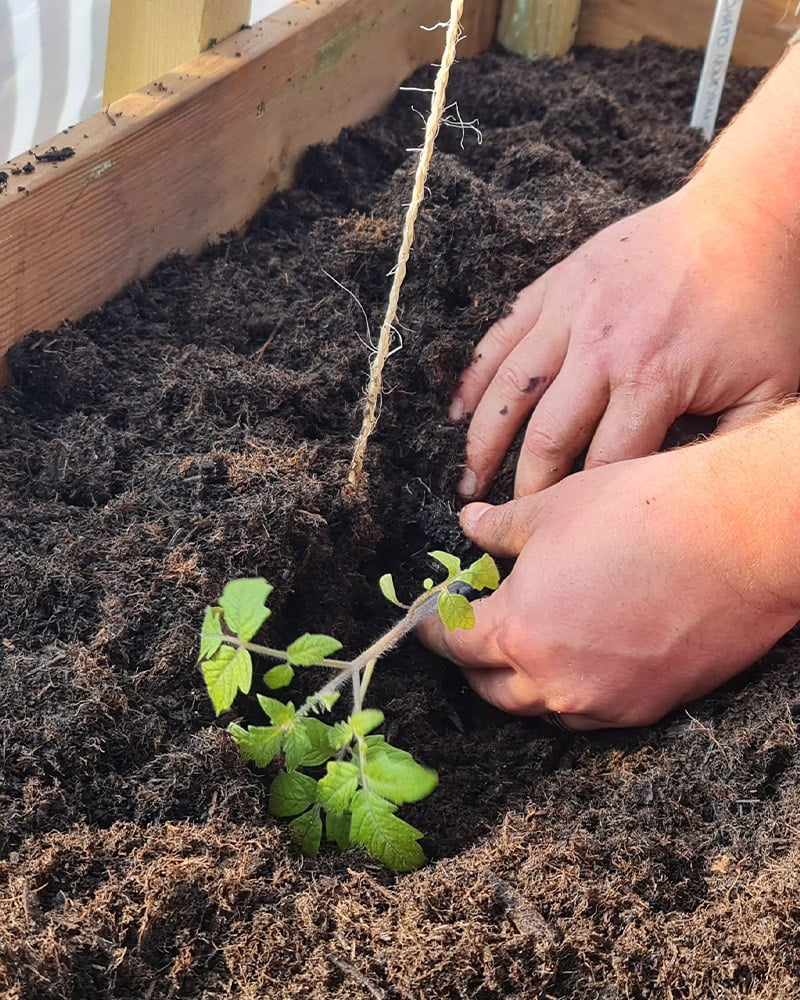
[[199, 428]]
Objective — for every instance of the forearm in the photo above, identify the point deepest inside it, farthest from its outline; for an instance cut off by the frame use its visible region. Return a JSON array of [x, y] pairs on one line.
[[755, 163], [752, 474]]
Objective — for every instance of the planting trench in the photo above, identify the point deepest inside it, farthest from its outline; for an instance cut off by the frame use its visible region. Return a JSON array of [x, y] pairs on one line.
[[199, 428]]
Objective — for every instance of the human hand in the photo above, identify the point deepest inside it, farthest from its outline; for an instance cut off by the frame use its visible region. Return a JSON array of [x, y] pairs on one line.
[[689, 306], [637, 587]]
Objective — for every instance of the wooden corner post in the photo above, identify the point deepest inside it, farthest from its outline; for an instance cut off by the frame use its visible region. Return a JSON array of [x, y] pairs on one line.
[[147, 38], [538, 27]]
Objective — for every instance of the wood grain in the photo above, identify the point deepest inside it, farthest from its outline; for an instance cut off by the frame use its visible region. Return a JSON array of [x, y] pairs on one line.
[[538, 27], [175, 165], [146, 38], [764, 28]]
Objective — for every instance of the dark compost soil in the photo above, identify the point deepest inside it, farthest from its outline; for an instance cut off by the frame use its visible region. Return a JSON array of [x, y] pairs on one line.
[[199, 428]]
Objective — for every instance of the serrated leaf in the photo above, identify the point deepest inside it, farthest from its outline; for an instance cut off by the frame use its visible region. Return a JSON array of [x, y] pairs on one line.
[[306, 832], [210, 633], [226, 673], [455, 611], [483, 574], [341, 735], [292, 793], [310, 649], [386, 583], [296, 745], [338, 787], [319, 742], [451, 563], [280, 714], [365, 721], [242, 603], [386, 838], [395, 775], [260, 744], [325, 702], [337, 829], [279, 676]]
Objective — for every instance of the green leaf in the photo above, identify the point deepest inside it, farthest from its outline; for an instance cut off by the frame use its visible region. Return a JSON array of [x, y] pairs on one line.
[[451, 563], [310, 649], [341, 735], [338, 786], [427, 583], [337, 829], [280, 714], [210, 633], [386, 838], [306, 832], [242, 603], [292, 793], [325, 702], [226, 673], [279, 676], [365, 721], [395, 775], [320, 747], [260, 744], [296, 745], [455, 611], [386, 583], [483, 574]]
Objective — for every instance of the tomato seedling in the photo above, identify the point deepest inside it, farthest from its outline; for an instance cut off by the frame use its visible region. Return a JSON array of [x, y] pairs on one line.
[[365, 779]]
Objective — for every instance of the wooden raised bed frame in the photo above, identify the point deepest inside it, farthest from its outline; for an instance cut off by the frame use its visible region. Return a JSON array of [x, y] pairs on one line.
[[174, 165]]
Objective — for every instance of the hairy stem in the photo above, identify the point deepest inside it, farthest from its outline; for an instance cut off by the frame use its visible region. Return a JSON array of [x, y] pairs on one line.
[[281, 654]]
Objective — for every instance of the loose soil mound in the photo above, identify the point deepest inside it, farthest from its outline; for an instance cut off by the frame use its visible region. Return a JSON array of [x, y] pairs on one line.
[[199, 428]]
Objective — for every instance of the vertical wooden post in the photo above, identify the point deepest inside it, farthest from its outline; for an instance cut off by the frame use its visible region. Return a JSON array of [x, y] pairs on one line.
[[149, 37], [538, 27]]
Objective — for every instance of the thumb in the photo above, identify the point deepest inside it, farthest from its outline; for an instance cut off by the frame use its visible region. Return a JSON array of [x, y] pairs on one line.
[[501, 530]]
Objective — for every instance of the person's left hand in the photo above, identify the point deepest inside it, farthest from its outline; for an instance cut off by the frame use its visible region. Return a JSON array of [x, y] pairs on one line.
[[689, 306]]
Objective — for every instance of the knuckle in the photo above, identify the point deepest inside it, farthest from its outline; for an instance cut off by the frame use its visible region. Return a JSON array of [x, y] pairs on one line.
[[514, 647], [511, 377], [503, 522], [600, 460], [502, 334], [543, 441], [642, 377]]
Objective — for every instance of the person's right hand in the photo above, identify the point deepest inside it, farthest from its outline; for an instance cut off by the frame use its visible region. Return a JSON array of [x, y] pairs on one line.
[[639, 586], [690, 306]]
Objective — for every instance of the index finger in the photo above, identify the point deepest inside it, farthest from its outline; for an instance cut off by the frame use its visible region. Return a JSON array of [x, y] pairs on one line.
[[508, 690], [495, 346]]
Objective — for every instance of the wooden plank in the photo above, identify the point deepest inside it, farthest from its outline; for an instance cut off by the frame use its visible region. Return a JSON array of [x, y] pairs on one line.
[[538, 27], [764, 28], [177, 164], [147, 38]]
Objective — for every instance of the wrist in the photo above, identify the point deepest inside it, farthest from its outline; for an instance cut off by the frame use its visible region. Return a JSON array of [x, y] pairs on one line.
[[752, 171], [750, 480]]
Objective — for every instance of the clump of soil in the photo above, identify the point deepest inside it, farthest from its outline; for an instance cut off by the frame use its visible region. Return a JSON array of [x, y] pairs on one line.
[[199, 428]]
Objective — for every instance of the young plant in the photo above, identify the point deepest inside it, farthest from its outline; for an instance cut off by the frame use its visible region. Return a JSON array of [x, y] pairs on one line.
[[365, 779]]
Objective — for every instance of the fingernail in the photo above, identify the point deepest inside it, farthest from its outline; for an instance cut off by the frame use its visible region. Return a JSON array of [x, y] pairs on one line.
[[456, 411], [468, 484], [472, 514]]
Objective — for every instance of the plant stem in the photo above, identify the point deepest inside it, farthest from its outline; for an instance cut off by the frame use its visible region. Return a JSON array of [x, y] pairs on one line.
[[424, 606], [358, 698], [281, 654]]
